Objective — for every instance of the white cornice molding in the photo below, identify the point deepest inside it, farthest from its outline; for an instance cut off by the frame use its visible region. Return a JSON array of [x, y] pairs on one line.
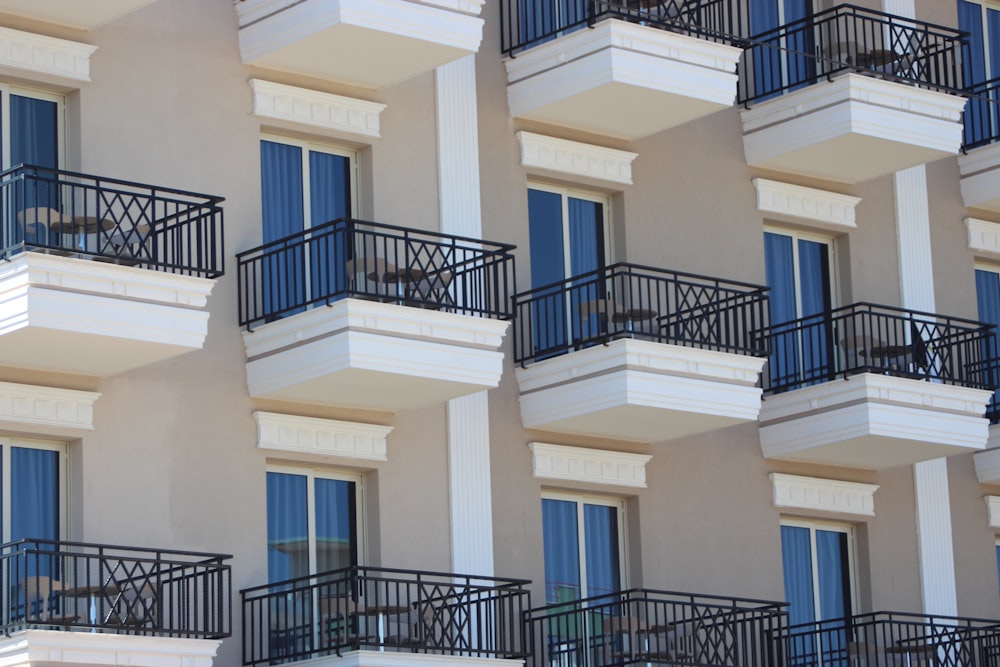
[[825, 495], [316, 109], [58, 648], [993, 510], [46, 409], [575, 158], [795, 203], [984, 237], [583, 464], [44, 58], [331, 437]]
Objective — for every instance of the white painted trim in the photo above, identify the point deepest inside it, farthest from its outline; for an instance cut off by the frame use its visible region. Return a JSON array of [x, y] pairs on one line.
[[983, 237], [54, 647], [575, 158], [310, 435], [825, 495], [993, 510], [316, 109], [585, 464], [43, 58], [988, 462], [407, 659], [53, 409], [795, 203], [251, 11]]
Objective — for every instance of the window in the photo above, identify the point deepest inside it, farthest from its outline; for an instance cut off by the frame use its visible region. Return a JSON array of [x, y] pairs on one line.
[[313, 521], [584, 546], [546, 18], [799, 273], [818, 565], [981, 62], [31, 127], [988, 298], [773, 68], [568, 232]]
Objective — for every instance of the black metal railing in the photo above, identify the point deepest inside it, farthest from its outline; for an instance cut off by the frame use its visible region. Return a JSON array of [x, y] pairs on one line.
[[52, 584], [384, 609], [368, 260], [869, 338], [631, 301], [888, 639], [92, 217], [524, 24], [648, 626], [847, 38], [982, 114]]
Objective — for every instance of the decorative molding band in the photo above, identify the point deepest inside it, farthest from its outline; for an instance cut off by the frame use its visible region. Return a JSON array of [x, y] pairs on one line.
[[796, 203], [309, 435], [825, 495], [575, 158], [33, 406], [984, 237], [993, 510], [582, 464], [315, 108], [46, 58]]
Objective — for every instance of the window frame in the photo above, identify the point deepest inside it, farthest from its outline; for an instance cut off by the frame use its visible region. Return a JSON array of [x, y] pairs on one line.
[[6, 90], [312, 473], [6, 444], [852, 555], [581, 499]]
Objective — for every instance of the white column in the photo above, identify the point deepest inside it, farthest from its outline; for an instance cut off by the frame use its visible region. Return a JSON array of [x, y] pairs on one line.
[[468, 417], [930, 478]]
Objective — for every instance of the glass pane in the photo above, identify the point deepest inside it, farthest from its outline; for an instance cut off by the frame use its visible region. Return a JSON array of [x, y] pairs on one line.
[[34, 493], [998, 561], [287, 526], [600, 528], [283, 270], [336, 529], [547, 258], [561, 550], [329, 199], [988, 298], [814, 293], [796, 561], [34, 140]]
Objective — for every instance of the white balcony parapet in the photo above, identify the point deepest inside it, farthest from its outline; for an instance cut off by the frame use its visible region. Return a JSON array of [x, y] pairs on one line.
[[73, 649], [873, 421]]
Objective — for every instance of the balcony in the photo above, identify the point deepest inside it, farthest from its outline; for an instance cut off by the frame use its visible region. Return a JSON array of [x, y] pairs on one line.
[[73, 13], [356, 615], [979, 165], [637, 353], [868, 386], [100, 275], [655, 627], [366, 315], [851, 94], [71, 603], [358, 42], [621, 68], [888, 639]]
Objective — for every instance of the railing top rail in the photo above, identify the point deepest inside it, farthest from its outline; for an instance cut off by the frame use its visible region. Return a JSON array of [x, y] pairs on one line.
[[723, 284], [863, 307], [898, 618], [645, 594], [367, 572], [851, 9], [13, 547], [487, 247], [21, 169], [982, 87]]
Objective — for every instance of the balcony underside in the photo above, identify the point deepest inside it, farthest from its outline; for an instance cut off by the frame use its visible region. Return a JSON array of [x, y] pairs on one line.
[[376, 356], [51, 648], [94, 318], [980, 170], [358, 42], [852, 129], [640, 390], [988, 462], [622, 80], [73, 13], [873, 421]]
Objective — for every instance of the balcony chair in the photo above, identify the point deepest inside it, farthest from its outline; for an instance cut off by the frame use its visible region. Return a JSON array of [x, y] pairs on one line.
[[41, 227], [127, 246], [432, 290], [43, 602], [138, 604], [339, 622]]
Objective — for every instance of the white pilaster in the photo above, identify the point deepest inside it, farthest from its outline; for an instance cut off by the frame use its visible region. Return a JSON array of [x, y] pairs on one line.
[[930, 478], [468, 417]]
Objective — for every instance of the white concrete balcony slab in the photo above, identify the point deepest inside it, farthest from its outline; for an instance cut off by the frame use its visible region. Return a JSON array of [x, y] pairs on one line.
[[366, 43], [873, 421], [59, 648], [622, 80], [852, 129], [408, 659], [95, 318], [640, 390], [980, 177], [86, 15], [378, 356]]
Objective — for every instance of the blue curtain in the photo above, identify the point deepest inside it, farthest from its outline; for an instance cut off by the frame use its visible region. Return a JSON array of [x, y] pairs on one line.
[[766, 59], [814, 291], [547, 260], [34, 140], [586, 254], [329, 199], [542, 19], [282, 273], [779, 62], [336, 529], [34, 502], [561, 543], [779, 267], [988, 298], [834, 590], [796, 560], [287, 527], [977, 111], [600, 529], [998, 561]]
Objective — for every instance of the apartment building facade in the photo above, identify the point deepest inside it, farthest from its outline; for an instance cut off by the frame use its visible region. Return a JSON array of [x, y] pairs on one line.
[[551, 331]]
